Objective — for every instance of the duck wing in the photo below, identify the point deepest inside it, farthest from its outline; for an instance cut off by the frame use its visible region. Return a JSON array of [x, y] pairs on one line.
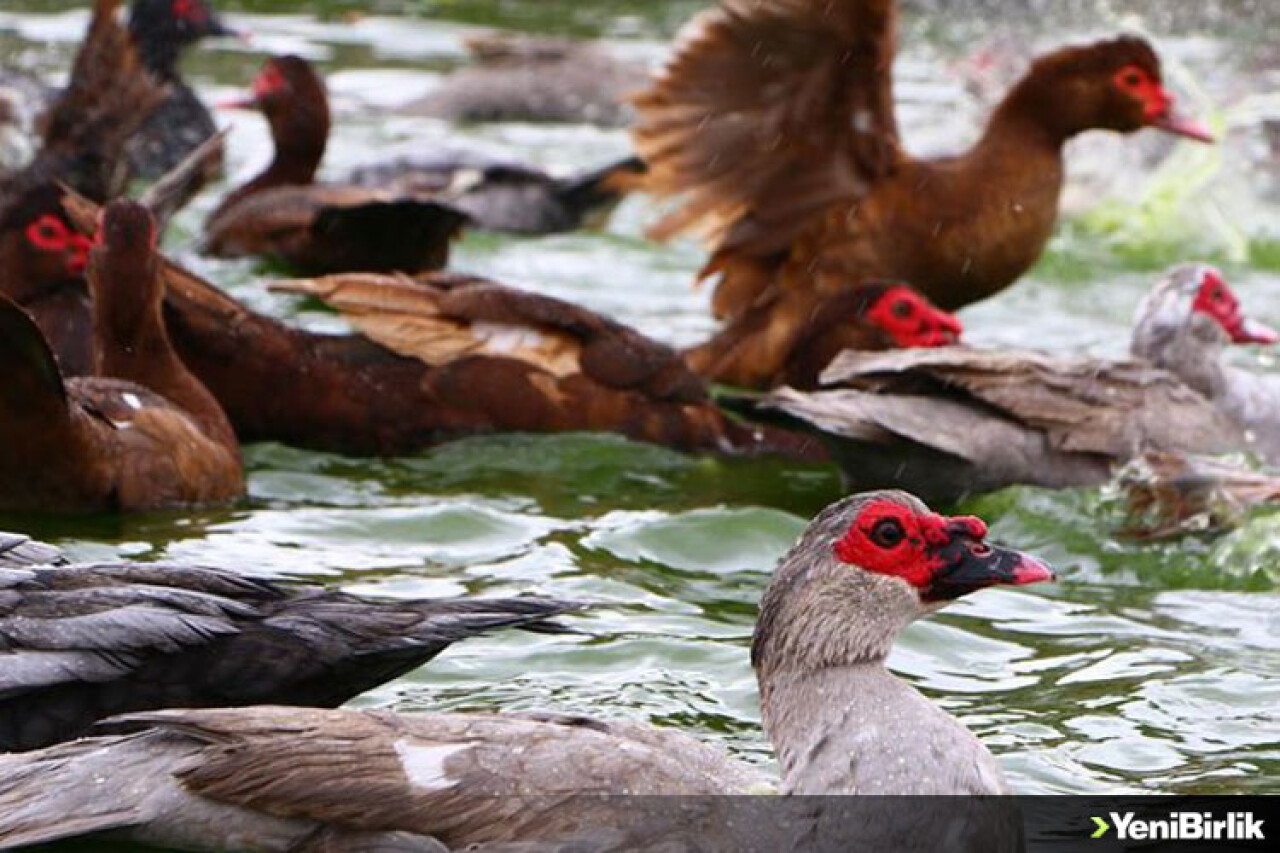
[[80, 643], [955, 421], [1084, 405], [109, 96], [769, 111], [441, 318]]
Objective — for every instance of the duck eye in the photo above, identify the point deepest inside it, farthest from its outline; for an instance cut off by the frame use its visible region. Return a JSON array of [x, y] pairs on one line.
[[887, 533], [47, 233], [901, 309], [980, 549]]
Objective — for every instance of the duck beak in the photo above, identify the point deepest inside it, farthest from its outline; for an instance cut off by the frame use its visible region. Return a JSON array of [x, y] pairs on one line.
[[1252, 332], [981, 565], [242, 103], [1179, 125], [1163, 115], [217, 28]]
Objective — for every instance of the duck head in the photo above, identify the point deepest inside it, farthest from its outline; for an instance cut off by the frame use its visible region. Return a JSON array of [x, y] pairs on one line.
[[38, 246], [162, 29], [1109, 85], [904, 318], [292, 96], [1188, 317], [864, 569]]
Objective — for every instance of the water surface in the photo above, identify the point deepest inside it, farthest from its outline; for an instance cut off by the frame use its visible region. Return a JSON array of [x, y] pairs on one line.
[[1147, 668]]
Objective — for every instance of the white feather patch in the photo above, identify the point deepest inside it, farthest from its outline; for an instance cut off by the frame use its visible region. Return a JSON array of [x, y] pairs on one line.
[[424, 764]]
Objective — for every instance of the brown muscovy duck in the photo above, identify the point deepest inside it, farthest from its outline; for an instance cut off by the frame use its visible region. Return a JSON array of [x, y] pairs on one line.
[[142, 433], [162, 30], [42, 265], [950, 422], [317, 227], [792, 341], [83, 642], [42, 258], [840, 723], [774, 124], [351, 394]]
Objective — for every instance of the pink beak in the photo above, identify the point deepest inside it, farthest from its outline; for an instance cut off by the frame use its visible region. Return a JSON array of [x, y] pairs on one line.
[[241, 103], [1178, 125], [1252, 332], [1030, 570]]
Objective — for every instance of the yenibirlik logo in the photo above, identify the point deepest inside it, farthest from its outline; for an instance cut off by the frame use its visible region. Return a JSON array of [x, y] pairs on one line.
[[1183, 826]]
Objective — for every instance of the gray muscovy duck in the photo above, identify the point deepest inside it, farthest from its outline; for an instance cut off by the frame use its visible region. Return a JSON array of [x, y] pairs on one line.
[[82, 642], [516, 198], [1184, 325], [954, 421], [279, 779]]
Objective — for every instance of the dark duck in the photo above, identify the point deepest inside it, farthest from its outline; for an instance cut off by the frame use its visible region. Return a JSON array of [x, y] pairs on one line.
[[141, 433], [162, 30]]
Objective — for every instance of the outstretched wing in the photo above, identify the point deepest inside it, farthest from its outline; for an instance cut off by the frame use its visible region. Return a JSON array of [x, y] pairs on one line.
[[769, 111]]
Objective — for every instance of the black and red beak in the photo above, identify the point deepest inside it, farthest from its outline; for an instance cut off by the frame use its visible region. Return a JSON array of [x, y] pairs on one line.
[[969, 564]]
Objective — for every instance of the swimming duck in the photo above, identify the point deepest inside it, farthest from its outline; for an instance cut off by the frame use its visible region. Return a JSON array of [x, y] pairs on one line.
[[142, 433], [502, 196], [316, 227], [502, 360], [792, 340], [85, 641], [535, 79], [159, 31], [955, 421], [162, 30], [84, 131], [839, 721], [774, 124], [1184, 325]]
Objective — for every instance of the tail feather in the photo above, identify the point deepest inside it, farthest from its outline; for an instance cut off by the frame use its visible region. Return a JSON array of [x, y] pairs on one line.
[[602, 186], [399, 235]]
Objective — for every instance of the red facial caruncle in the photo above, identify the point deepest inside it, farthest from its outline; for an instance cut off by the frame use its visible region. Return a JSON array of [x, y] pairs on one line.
[[48, 233], [941, 558], [1217, 300], [1157, 103], [910, 320], [889, 539], [192, 11], [268, 82]]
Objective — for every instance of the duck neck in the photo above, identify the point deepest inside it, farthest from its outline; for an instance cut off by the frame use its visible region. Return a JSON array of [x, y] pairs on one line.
[[1192, 360], [158, 53], [131, 343], [300, 139], [1028, 120]]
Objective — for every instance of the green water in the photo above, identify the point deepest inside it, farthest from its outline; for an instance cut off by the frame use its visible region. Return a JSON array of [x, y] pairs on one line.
[[1148, 667]]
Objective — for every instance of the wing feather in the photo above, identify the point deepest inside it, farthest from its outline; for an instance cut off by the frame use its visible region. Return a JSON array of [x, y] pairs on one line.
[[769, 111]]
